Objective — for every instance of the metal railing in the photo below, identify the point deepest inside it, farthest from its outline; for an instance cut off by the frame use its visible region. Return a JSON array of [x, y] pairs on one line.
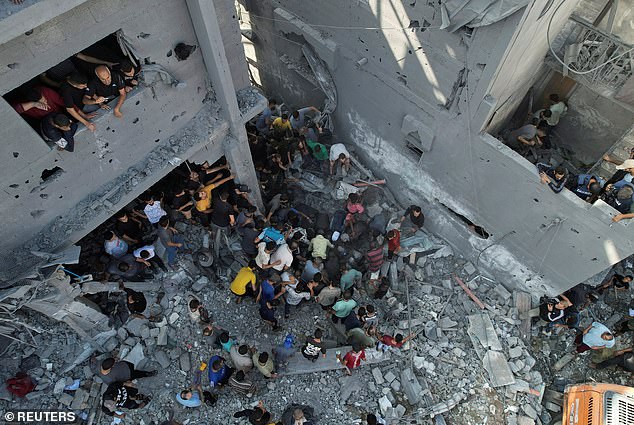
[[585, 47]]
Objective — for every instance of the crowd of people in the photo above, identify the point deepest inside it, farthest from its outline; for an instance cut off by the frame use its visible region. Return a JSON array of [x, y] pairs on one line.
[[563, 313], [69, 94], [617, 191], [292, 256]]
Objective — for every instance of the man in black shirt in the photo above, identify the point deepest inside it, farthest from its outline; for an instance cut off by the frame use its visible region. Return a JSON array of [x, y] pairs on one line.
[[129, 228], [136, 301], [129, 73], [73, 91], [412, 220], [222, 217], [249, 233], [105, 87], [617, 281], [57, 128]]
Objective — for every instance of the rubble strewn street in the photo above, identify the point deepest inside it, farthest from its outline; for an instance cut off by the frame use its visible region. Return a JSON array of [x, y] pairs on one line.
[[470, 361]]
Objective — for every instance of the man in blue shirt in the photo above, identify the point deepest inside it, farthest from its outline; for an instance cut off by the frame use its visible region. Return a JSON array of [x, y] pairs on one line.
[[190, 397], [219, 372], [587, 186], [273, 233]]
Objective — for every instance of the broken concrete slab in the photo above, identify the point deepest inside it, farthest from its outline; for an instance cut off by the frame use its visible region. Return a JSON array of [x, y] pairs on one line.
[[481, 328], [161, 339], [378, 376], [299, 365], [567, 358], [515, 352], [411, 386], [135, 356], [500, 373], [502, 292], [162, 358], [135, 326], [185, 362]]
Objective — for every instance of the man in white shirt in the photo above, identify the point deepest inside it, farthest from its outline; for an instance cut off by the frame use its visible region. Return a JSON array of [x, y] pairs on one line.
[[557, 109], [339, 157], [153, 210], [147, 253], [283, 257], [293, 294]]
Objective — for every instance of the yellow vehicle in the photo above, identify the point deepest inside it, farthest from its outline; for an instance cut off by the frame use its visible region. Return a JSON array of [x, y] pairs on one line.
[[598, 404]]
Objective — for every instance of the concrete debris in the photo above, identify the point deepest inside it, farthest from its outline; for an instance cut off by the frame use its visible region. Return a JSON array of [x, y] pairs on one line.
[[135, 356], [500, 373]]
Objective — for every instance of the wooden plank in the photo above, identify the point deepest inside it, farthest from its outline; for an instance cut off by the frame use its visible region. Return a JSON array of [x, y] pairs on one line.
[[523, 305]]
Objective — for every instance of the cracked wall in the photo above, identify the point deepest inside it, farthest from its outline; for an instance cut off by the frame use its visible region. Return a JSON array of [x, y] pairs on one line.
[[120, 160], [471, 173]]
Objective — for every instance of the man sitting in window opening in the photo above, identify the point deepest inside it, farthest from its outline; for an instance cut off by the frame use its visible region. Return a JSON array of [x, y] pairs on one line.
[[554, 177], [105, 87], [39, 102], [129, 72], [58, 129], [73, 91]]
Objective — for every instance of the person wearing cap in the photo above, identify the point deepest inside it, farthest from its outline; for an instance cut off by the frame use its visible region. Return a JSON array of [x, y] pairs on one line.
[[587, 186], [554, 177]]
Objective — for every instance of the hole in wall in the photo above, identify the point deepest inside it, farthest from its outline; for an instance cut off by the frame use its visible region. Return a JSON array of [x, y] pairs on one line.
[[137, 102], [169, 54], [51, 174], [37, 213], [136, 120], [479, 231], [16, 154], [16, 196], [14, 186]]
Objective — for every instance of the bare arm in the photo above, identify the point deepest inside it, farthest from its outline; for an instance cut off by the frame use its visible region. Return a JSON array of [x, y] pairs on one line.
[[75, 114], [117, 109], [94, 60]]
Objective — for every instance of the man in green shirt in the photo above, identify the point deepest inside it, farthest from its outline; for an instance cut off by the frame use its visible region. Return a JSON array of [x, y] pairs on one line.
[[343, 308], [349, 277], [319, 151]]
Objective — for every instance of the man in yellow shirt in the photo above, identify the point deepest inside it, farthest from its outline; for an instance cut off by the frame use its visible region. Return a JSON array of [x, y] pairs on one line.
[[244, 283], [282, 125], [203, 199]]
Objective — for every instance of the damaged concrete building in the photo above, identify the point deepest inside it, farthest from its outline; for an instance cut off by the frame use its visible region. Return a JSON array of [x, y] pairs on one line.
[[419, 91], [423, 87], [195, 99]]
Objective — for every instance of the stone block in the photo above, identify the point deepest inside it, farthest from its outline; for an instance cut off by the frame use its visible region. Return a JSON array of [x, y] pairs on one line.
[[530, 411], [66, 399], [396, 385], [498, 369], [80, 399], [469, 269], [515, 352], [185, 362], [59, 386], [411, 386], [173, 318], [446, 323], [154, 332], [134, 326], [378, 376], [525, 420], [200, 284], [135, 356], [385, 406], [389, 377], [399, 411], [161, 339], [502, 292], [162, 358]]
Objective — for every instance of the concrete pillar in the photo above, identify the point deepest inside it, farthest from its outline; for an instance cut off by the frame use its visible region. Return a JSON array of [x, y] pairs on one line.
[[205, 22]]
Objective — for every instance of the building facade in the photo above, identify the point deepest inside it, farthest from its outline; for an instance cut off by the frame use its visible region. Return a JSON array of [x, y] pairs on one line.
[[421, 85], [191, 105]]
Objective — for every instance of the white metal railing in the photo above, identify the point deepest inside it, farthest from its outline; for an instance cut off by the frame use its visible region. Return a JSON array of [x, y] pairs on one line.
[[587, 47]]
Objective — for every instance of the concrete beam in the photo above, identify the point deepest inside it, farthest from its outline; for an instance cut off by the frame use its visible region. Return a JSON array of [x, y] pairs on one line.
[[205, 21], [18, 19]]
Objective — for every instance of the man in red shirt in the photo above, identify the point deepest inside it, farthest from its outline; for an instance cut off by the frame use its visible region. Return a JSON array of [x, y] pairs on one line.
[[393, 243], [387, 342], [40, 101], [352, 359]]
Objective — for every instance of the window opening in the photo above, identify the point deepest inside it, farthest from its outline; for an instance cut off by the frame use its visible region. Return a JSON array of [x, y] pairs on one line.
[[41, 97]]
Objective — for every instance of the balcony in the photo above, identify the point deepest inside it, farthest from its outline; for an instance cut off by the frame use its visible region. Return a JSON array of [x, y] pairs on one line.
[[584, 47]]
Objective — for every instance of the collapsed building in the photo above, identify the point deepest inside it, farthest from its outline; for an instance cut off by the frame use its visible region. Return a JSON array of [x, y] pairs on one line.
[[420, 90]]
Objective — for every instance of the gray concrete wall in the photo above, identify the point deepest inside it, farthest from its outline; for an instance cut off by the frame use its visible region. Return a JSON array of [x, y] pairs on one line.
[[151, 116], [472, 174], [593, 124], [161, 125]]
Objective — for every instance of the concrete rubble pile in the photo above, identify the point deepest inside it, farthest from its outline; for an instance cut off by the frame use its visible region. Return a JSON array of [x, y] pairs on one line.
[[468, 362]]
